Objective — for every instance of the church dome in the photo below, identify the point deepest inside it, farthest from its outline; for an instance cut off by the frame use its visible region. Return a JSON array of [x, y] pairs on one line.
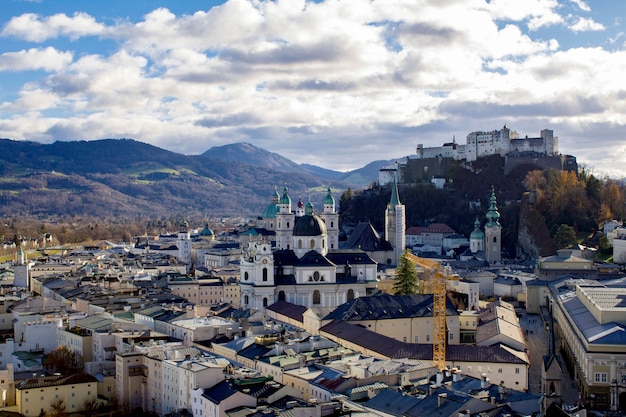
[[270, 211], [329, 199], [207, 233], [285, 199], [310, 224], [477, 234]]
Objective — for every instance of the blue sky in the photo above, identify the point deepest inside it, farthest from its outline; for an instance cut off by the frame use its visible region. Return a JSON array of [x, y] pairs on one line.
[[331, 83]]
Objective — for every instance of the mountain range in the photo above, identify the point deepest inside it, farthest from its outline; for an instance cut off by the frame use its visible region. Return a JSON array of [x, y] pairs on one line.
[[127, 178]]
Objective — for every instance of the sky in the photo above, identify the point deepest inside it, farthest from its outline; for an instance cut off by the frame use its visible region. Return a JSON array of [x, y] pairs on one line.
[[332, 83]]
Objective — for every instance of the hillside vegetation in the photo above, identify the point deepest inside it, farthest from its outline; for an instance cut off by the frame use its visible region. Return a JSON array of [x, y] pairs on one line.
[[547, 200]]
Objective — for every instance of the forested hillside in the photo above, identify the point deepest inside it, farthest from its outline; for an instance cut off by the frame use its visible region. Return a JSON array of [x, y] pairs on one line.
[[553, 202]]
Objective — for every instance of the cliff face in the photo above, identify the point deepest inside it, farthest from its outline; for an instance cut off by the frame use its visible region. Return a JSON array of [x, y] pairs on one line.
[[533, 237]]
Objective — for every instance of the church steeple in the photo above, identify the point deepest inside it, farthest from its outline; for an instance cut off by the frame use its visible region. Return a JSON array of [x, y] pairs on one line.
[[493, 215], [493, 231], [395, 224], [395, 199]]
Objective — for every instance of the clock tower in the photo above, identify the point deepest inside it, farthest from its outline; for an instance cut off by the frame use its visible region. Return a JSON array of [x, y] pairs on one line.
[[20, 270]]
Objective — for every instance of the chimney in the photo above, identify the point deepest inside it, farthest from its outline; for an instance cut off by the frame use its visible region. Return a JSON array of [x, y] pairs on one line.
[[441, 398], [484, 381], [456, 376], [439, 378]]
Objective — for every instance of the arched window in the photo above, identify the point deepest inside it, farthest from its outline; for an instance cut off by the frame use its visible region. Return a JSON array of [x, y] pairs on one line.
[[264, 274], [245, 276], [299, 243], [552, 388], [316, 297], [281, 296], [332, 224], [312, 243], [246, 300], [264, 301], [323, 244], [350, 294], [495, 239], [287, 225]]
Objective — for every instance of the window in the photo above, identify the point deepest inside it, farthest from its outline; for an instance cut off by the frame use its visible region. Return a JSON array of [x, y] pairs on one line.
[[428, 338], [417, 339], [264, 274], [600, 377], [316, 297], [517, 370]]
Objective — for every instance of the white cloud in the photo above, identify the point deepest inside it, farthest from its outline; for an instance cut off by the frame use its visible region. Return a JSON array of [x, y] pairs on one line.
[[34, 28], [48, 59], [581, 5], [581, 24], [331, 83]]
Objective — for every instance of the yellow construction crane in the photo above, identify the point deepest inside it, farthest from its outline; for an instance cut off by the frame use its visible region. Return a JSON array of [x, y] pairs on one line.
[[439, 306]]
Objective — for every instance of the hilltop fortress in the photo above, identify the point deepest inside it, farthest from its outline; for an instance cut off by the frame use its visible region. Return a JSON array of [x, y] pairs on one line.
[[497, 142], [429, 163]]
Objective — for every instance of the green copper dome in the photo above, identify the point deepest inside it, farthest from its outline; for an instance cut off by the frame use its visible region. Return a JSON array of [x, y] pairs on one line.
[[207, 233], [477, 234], [285, 199], [329, 199], [271, 210]]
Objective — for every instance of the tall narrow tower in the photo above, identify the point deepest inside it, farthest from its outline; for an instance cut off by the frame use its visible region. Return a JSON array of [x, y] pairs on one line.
[[284, 221], [21, 269], [331, 218], [184, 242], [493, 231], [395, 221]]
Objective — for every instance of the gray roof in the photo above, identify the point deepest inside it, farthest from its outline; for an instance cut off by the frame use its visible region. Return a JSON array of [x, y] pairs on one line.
[[386, 306], [364, 237], [395, 349]]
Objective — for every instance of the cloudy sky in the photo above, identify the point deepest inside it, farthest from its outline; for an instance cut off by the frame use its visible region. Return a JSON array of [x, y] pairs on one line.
[[332, 83]]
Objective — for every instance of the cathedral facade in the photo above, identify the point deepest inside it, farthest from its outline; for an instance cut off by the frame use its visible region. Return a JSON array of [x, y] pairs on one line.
[[305, 265]]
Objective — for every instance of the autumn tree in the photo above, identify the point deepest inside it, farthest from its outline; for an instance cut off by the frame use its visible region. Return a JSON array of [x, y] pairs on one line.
[[406, 282], [64, 360]]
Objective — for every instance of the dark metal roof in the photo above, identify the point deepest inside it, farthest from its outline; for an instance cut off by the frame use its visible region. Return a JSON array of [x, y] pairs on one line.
[[395, 349], [313, 258], [386, 306], [392, 402], [364, 237], [292, 311]]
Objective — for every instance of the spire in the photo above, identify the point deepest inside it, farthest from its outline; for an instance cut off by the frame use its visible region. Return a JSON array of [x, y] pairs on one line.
[[493, 215], [395, 200]]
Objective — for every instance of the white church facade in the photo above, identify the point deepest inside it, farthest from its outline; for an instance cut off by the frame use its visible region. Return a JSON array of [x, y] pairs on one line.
[[306, 266]]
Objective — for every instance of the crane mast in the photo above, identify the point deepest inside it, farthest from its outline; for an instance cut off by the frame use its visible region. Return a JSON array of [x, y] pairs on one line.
[[439, 307]]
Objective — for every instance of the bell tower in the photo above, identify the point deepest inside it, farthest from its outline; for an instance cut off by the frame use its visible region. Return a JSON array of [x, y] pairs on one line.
[[493, 231]]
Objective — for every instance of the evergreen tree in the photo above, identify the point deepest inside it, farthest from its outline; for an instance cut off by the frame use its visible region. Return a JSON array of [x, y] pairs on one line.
[[565, 236], [406, 282]]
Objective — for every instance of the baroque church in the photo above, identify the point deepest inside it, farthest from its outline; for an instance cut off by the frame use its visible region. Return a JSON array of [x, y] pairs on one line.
[[304, 265]]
